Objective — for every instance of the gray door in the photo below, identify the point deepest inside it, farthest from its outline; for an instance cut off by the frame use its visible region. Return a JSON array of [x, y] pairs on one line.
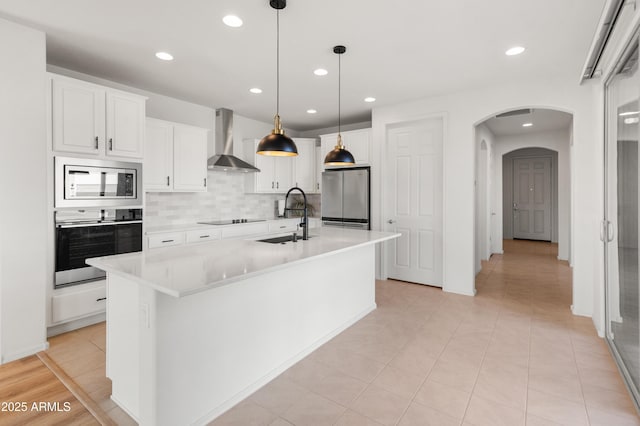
[[331, 198], [356, 195], [532, 198]]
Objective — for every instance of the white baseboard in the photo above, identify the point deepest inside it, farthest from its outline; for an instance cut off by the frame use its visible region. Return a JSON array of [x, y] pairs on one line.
[[221, 409], [24, 352], [54, 330]]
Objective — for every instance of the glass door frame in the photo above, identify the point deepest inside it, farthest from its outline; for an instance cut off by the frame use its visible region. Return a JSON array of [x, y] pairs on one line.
[[630, 45]]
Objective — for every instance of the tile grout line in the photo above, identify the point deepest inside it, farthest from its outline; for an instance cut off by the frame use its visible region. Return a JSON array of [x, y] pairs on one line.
[[427, 376]]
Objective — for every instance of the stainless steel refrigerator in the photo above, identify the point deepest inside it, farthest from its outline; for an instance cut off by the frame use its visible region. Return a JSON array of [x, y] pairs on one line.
[[345, 199]]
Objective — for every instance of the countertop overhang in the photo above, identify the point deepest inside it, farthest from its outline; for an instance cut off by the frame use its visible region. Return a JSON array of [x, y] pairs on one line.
[[185, 270]]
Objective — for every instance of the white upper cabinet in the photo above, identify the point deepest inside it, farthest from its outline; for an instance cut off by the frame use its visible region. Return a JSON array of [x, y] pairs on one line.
[[175, 157], [125, 125], [189, 158], [275, 175], [357, 142], [304, 165], [78, 116], [158, 158], [90, 119]]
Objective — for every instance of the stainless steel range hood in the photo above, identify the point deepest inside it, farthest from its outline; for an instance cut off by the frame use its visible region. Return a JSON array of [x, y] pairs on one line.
[[224, 160]]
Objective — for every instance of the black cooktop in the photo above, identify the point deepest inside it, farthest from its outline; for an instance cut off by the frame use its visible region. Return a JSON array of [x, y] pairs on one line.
[[231, 221]]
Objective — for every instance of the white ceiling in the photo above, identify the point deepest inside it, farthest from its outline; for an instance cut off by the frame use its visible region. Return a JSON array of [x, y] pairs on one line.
[[542, 120], [396, 51]]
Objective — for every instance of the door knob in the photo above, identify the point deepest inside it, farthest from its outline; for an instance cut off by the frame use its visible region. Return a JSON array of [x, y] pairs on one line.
[[391, 221]]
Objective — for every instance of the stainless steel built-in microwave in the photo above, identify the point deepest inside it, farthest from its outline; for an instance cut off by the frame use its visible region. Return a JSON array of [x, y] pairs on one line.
[[82, 182]]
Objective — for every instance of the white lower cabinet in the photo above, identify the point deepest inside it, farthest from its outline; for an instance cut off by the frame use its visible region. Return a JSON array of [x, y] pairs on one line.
[[78, 304], [167, 239], [245, 230], [285, 225], [211, 233], [201, 236]]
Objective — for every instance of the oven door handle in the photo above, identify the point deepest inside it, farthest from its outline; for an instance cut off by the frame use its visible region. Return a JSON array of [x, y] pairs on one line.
[[84, 225]]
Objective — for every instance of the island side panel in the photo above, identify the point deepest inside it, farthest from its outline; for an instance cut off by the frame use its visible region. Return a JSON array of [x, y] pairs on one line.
[[216, 347], [123, 342]]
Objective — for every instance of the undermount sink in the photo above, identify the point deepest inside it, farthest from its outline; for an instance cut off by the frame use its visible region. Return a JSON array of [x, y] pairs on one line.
[[279, 240]]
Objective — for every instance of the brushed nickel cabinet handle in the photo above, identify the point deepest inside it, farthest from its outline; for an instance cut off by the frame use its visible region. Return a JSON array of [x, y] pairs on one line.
[[167, 180], [110, 144], [96, 142]]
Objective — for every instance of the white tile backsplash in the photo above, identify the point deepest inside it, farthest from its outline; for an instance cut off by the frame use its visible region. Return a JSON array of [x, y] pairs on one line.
[[225, 199]]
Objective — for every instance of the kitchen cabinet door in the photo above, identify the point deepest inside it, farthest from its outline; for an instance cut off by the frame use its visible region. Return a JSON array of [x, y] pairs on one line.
[[125, 125], [304, 165], [264, 179], [283, 173], [158, 158], [78, 116], [358, 142], [189, 159], [275, 175]]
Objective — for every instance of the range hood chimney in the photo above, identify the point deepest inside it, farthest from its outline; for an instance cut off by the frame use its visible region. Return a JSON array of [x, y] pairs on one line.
[[224, 160]]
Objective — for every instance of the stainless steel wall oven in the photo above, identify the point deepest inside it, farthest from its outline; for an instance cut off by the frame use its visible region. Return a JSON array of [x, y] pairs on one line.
[[81, 234]]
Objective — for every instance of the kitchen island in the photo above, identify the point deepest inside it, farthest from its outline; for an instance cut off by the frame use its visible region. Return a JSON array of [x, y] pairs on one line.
[[191, 331]]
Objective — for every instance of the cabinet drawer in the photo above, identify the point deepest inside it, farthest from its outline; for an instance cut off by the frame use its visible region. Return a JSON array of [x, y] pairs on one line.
[[166, 240], [284, 226], [245, 230], [78, 304], [202, 235]]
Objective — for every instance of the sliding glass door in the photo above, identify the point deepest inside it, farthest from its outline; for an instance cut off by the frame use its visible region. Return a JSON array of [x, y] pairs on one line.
[[620, 228]]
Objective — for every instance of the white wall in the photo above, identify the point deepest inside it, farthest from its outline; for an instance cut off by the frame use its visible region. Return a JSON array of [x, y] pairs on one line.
[[484, 217], [464, 111], [23, 217], [334, 129], [558, 141]]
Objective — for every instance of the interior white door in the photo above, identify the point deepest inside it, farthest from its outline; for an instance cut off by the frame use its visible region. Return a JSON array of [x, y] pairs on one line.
[[532, 198], [413, 201]]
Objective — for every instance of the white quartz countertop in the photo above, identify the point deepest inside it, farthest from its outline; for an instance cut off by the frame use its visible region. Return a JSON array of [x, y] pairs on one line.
[[184, 270]]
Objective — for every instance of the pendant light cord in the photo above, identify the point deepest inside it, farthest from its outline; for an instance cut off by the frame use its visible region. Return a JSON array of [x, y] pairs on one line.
[[339, 78], [277, 62]]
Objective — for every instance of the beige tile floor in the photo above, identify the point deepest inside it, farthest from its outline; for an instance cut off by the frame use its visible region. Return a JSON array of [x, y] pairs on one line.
[[512, 355]]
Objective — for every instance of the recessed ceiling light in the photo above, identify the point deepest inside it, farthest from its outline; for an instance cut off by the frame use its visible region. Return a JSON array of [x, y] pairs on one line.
[[311, 111], [369, 99], [514, 51], [164, 56], [232, 21], [624, 114], [527, 125], [255, 90], [321, 71]]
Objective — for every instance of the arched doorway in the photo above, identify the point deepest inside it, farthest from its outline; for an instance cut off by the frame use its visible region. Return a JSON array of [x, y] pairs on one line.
[[508, 132]]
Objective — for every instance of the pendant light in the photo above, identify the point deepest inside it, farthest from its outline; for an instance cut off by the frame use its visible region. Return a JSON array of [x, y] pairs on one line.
[[277, 143], [339, 156]]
